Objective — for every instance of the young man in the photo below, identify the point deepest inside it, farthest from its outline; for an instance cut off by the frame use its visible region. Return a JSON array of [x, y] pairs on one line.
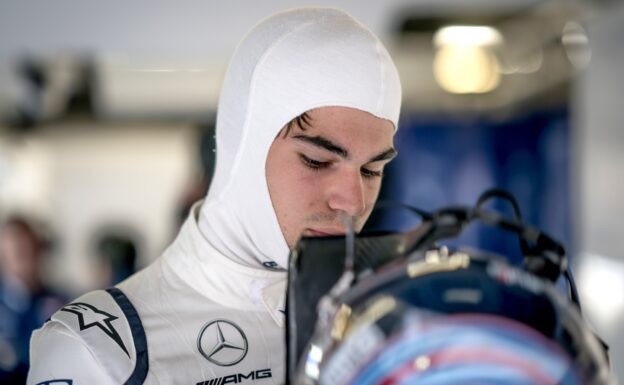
[[306, 117]]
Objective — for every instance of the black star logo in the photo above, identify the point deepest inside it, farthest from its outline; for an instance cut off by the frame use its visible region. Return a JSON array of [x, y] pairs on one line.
[[89, 316]]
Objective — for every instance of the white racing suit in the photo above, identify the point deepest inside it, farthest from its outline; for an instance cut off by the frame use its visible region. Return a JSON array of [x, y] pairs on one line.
[[210, 311], [192, 317]]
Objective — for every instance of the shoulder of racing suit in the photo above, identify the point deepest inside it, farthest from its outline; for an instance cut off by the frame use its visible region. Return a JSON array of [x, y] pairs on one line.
[[105, 327]]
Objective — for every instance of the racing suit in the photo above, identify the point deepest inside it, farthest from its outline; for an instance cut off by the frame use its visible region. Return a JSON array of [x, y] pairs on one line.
[[205, 319], [210, 311]]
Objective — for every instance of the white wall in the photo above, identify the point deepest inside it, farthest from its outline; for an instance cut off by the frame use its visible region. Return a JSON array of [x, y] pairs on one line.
[[82, 176], [210, 28], [600, 182]]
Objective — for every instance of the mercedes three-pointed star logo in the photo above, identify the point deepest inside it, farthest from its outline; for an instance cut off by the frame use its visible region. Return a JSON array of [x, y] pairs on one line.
[[222, 342]]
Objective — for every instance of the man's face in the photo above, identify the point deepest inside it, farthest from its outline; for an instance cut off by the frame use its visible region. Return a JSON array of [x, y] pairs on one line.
[[327, 172], [19, 252]]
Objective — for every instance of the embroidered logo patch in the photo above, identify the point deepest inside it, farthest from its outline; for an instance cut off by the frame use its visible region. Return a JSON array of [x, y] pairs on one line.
[[90, 316]]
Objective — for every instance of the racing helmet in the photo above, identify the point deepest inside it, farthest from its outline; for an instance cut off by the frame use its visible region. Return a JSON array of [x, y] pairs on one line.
[[430, 315]]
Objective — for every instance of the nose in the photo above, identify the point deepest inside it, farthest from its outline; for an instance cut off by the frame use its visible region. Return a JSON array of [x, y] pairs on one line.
[[347, 193]]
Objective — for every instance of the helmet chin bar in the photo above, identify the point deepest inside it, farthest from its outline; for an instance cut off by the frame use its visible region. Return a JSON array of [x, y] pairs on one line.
[[330, 277]]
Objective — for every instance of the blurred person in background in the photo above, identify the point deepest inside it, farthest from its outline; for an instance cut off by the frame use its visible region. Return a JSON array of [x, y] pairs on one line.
[[305, 125], [116, 256], [25, 302]]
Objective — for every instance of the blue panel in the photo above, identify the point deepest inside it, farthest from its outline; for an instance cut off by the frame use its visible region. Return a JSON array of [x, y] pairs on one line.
[[452, 160]]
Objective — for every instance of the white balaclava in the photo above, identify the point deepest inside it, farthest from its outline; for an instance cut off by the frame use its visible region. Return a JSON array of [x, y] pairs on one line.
[[288, 64]]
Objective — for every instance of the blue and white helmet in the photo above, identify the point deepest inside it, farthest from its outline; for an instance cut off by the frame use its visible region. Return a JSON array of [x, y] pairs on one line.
[[450, 318]]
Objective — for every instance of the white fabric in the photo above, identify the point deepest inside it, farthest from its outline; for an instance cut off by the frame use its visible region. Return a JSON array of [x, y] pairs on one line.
[[288, 64], [183, 291], [64, 350], [74, 362]]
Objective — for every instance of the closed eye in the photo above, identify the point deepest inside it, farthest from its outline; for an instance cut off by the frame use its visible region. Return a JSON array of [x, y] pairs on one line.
[[313, 163], [318, 165], [366, 173]]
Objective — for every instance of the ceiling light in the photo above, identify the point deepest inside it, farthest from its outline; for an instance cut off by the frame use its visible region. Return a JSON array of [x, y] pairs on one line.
[[466, 69], [467, 35]]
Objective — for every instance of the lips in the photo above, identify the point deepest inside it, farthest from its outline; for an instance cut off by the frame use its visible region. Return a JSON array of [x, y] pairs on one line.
[[323, 232]]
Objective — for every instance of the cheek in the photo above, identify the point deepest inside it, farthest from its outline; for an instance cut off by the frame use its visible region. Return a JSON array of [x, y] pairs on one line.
[[295, 199], [294, 193], [305, 194], [371, 194]]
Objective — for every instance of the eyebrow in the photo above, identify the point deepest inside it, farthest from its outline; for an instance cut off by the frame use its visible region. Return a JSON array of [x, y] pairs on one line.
[[388, 154], [330, 146]]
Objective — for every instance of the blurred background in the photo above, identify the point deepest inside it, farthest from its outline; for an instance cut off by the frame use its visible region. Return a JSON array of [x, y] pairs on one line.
[[107, 119]]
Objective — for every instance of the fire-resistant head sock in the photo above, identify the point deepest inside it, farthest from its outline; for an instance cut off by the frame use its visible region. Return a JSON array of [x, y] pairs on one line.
[[287, 64]]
